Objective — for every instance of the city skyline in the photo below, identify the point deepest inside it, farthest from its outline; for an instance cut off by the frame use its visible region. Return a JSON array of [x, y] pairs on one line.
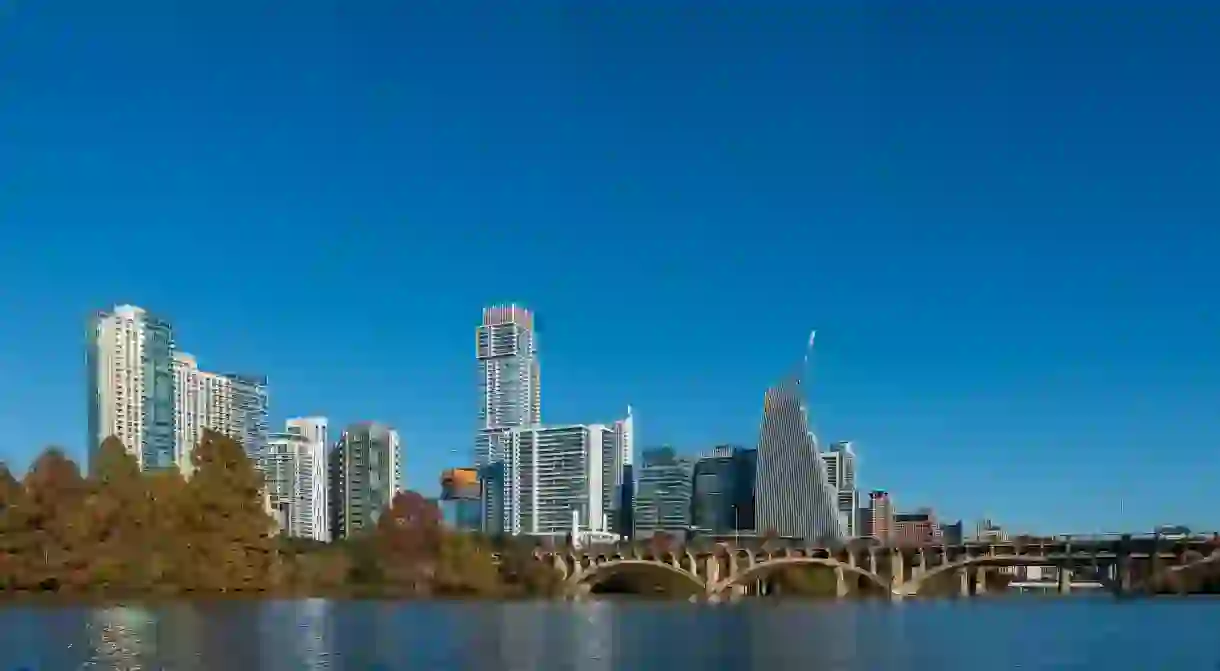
[[123, 331], [1009, 271]]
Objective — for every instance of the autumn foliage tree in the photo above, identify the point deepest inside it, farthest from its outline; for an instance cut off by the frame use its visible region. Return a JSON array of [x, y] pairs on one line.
[[126, 531], [225, 524], [407, 539]]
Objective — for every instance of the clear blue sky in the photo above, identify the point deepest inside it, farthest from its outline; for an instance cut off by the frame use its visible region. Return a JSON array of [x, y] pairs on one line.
[[1002, 222]]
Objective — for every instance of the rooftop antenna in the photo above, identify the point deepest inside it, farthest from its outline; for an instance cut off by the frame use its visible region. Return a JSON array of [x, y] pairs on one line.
[[808, 351]]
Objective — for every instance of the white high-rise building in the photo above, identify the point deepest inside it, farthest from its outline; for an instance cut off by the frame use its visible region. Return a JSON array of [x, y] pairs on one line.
[[506, 349], [202, 400], [841, 473], [130, 378], [555, 474], [233, 405], [316, 431], [290, 466]]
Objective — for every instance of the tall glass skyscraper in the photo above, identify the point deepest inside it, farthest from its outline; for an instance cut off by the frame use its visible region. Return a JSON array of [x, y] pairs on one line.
[[249, 418], [510, 398], [794, 497], [723, 498], [663, 493], [130, 373], [364, 475]]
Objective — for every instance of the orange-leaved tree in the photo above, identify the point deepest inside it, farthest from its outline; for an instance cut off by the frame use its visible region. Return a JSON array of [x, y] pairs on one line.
[[55, 535], [225, 525], [407, 539]]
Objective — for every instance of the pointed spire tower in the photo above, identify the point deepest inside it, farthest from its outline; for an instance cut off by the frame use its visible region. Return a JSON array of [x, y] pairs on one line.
[[792, 489]]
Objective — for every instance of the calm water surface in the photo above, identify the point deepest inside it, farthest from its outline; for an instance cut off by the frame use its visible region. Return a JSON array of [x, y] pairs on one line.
[[1025, 633]]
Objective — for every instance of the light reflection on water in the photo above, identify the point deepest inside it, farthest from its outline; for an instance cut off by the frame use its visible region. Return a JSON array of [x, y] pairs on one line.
[[604, 635], [119, 637]]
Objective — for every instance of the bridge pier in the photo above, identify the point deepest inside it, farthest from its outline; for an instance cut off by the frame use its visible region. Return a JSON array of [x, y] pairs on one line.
[[898, 570], [980, 581], [1065, 580], [963, 583], [840, 583]]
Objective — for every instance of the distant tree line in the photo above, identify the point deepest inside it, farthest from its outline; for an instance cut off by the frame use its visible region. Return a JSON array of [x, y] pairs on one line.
[[120, 531]]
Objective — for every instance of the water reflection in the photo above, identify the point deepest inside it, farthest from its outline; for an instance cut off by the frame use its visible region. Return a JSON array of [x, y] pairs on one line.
[[593, 636], [611, 634], [120, 636], [295, 634]]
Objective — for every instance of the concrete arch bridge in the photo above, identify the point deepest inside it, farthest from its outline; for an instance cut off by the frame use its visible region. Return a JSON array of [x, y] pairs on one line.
[[1125, 564]]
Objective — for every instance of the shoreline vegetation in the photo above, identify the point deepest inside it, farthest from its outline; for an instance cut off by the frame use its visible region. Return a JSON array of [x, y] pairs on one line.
[[120, 534]]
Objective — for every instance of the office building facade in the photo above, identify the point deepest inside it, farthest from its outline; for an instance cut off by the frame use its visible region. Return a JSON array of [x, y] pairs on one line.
[[365, 472], [794, 498], [316, 431], [664, 489], [881, 515], [840, 462], [556, 474], [916, 528], [130, 380], [202, 400], [506, 350], [233, 405], [723, 491], [460, 499], [293, 464], [250, 409]]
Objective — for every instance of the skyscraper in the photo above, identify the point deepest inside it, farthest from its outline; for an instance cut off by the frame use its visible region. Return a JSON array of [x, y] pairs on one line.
[[316, 431], [293, 466], [510, 396], [723, 496], [554, 473], [249, 415], [616, 476], [365, 472], [881, 515], [202, 400], [234, 405], [129, 369], [663, 493], [794, 496], [841, 473]]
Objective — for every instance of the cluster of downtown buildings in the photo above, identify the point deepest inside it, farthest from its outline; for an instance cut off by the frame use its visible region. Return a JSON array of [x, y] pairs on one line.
[[528, 478], [158, 402], [582, 480]]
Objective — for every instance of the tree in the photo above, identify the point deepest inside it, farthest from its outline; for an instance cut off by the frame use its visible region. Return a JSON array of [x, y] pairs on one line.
[[407, 539], [464, 567], [226, 527], [13, 527], [54, 490], [117, 519]]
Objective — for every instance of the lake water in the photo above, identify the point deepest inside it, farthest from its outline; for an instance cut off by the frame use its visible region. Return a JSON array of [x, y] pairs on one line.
[[996, 633]]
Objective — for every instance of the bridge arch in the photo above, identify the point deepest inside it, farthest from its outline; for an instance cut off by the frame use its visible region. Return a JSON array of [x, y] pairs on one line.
[[766, 566], [913, 586], [596, 575]]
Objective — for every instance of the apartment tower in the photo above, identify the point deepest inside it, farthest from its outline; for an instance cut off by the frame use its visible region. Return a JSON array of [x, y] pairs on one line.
[[130, 379], [506, 349]]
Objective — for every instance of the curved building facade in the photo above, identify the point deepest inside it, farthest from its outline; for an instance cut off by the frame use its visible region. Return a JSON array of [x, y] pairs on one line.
[[794, 497]]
